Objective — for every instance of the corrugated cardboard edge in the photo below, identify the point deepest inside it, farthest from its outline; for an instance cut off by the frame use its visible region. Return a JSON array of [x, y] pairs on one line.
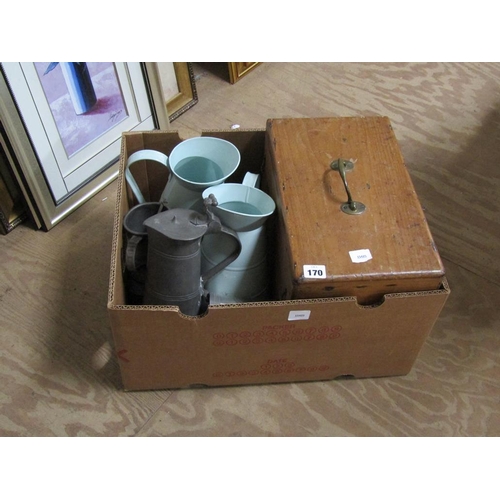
[[116, 225]]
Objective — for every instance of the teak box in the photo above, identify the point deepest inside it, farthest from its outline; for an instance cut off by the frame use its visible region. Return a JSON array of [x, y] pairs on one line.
[[331, 249], [255, 343]]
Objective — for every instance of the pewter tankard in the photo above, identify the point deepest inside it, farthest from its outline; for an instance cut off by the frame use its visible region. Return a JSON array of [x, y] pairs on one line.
[[174, 258]]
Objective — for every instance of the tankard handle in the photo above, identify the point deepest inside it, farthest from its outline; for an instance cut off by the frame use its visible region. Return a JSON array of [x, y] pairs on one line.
[[134, 257], [145, 154], [215, 226]]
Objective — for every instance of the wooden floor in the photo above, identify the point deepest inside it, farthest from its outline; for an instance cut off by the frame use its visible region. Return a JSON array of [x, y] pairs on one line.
[[58, 373]]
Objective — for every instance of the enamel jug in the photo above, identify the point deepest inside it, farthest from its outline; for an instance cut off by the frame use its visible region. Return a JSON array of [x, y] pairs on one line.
[[194, 165], [243, 208]]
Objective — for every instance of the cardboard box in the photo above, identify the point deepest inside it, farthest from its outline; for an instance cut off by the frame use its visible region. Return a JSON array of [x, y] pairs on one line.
[[255, 343]]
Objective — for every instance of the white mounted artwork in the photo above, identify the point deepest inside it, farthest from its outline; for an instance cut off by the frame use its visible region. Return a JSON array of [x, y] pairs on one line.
[[73, 115]]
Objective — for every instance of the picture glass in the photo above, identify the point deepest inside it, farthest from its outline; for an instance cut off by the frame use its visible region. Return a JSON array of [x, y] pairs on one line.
[[168, 79], [85, 100]]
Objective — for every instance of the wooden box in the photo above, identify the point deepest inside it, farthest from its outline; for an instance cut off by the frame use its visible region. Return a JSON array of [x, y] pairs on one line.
[[328, 252]]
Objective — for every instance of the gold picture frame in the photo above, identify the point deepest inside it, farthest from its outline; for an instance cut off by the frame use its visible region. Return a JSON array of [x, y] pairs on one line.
[[237, 70], [187, 96], [183, 97]]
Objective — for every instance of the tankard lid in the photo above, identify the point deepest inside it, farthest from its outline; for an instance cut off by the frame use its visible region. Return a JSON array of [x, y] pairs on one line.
[[178, 224]]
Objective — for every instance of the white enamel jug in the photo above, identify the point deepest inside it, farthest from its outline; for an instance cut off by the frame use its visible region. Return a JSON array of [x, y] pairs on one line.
[[194, 164], [243, 208]]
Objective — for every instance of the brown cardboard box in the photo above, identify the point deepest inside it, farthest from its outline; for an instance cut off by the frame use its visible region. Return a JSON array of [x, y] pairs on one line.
[[255, 343]]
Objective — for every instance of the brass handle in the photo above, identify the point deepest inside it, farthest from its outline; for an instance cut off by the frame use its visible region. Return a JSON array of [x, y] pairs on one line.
[[351, 207]]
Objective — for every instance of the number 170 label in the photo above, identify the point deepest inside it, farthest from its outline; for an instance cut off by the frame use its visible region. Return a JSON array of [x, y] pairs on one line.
[[315, 271]]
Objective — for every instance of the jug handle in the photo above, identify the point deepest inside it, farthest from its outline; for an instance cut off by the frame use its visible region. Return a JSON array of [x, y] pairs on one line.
[[215, 226], [131, 253], [252, 180], [145, 154], [219, 228]]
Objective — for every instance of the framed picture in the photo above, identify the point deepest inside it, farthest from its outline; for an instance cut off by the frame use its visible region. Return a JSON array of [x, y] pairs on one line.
[[178, 88], [12, 208], [237, 70], [64, 122]]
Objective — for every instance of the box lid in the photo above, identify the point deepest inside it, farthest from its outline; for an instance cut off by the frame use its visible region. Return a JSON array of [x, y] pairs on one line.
[[390, 239]]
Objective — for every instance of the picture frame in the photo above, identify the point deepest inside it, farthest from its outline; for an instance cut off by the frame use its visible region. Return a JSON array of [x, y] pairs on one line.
[[13, 210], [67, 152], [237, 70], [178, 87]]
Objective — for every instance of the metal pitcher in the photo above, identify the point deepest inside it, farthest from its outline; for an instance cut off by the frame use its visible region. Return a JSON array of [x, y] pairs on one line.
[[174, 274], [244, 208], [194, 165], [135, 249]]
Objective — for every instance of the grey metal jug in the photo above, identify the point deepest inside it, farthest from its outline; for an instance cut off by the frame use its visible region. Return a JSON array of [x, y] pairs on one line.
[[135, 249], [174, 258]]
